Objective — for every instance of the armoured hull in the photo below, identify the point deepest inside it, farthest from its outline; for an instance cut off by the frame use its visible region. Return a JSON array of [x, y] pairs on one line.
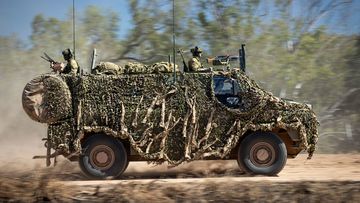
[[166, 121]]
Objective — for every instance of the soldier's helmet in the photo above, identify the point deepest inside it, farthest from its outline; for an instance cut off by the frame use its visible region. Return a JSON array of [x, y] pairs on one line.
[[196, 51], [67, 53]]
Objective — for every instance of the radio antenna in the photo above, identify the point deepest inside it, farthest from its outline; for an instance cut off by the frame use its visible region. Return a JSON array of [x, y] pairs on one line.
[[73, 12], [174, 59]]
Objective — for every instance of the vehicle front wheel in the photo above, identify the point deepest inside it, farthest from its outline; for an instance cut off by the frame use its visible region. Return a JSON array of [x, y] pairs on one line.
[[262, 153], [103, 157]]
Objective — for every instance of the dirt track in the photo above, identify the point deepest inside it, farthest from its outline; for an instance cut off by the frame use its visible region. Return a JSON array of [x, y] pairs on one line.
[[320, 168], [324, 178]]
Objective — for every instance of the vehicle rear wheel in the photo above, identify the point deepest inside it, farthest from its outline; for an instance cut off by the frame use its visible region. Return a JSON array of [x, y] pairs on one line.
[[103, 157], [262, 153]]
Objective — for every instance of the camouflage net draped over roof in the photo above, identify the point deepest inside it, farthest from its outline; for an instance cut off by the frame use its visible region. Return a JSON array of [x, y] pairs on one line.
[[182, 122]]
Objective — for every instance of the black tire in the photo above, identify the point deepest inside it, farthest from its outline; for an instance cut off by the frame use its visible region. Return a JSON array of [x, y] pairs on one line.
[[127, 164], [103, 157], [262, 153]]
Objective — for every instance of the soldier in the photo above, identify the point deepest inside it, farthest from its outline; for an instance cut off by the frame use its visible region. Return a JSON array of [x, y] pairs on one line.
[[71, 67], [194, 63]]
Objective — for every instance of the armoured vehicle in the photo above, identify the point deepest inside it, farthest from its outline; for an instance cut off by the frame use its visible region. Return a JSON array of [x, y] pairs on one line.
[[104, 121]]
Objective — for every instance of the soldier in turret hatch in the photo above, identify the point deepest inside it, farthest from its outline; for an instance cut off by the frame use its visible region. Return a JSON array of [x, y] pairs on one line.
[[194, 63], [71, 67]]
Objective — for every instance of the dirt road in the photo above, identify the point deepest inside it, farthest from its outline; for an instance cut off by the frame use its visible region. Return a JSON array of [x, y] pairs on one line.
[[324, 178], [320, 168]]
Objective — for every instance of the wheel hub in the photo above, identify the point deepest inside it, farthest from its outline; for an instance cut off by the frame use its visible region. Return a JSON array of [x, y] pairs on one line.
[[262, 154], [102, 157]]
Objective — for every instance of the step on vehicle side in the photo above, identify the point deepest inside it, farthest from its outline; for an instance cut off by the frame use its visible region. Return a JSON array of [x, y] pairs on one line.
[[106, 121]]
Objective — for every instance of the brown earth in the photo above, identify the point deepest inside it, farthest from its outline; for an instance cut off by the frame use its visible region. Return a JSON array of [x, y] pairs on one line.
[[325, 178]]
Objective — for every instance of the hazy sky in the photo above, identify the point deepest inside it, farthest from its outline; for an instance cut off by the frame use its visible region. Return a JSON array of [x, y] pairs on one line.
[[16, 15]]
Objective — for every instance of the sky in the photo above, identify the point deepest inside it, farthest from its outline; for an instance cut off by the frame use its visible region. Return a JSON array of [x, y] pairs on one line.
[[16, 15]]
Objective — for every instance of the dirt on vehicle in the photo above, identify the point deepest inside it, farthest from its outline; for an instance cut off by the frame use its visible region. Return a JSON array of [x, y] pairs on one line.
[[324, 178]]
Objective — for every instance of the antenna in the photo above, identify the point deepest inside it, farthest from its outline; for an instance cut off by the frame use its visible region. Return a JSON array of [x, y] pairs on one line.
[[174, 59], [242, 58], [74, 27]]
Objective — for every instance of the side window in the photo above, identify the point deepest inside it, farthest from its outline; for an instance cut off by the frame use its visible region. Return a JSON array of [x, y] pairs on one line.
[[223, 86], [227, 91]]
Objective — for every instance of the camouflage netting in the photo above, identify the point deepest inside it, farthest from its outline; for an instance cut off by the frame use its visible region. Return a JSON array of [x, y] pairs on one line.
[[47, 99], [109, 68], [273, 112], [160, 67], [176, 123]]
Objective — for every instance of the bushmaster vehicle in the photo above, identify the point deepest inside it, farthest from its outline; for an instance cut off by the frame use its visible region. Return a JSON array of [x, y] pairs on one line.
[[105, 121]]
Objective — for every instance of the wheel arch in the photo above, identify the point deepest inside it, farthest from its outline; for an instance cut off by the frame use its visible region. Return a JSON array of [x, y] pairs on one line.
[[290, 138]]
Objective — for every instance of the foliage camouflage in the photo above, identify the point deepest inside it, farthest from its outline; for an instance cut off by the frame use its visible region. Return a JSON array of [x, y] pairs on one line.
[[171, 122]]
